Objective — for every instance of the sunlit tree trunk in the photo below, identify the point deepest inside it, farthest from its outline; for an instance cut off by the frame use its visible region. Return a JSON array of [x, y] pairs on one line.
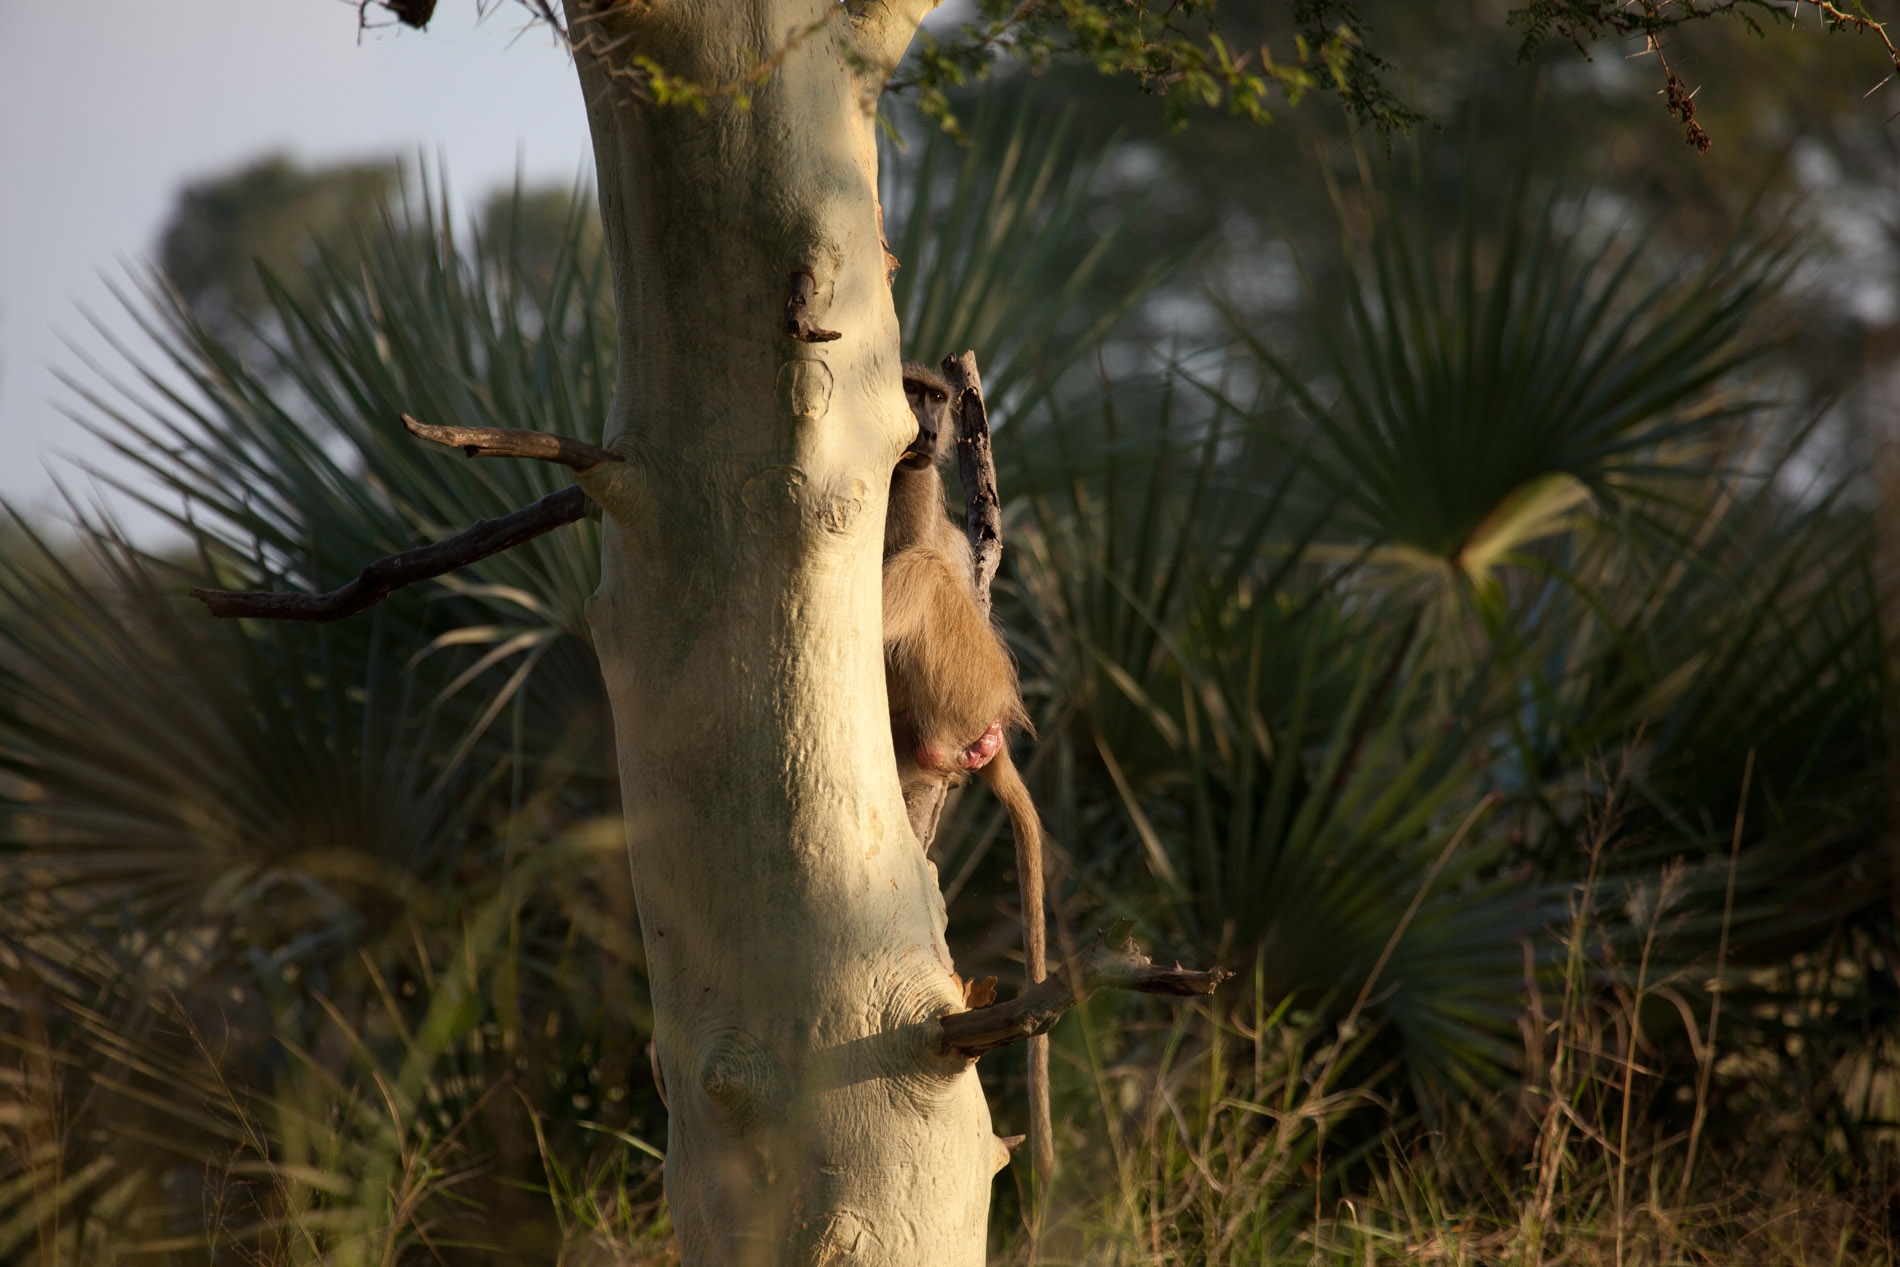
[[794, 931]]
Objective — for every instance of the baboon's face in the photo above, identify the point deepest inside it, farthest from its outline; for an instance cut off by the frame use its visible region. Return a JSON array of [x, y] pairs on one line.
[[930, 405]]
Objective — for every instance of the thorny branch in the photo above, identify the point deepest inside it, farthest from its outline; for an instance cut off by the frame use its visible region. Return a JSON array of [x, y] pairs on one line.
[[1581, 20], [1113, 962], [1838, 19], [1859, 23]]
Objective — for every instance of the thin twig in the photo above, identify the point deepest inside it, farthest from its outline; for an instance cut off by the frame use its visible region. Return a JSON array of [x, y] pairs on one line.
[[1113, 962], [386, 575]]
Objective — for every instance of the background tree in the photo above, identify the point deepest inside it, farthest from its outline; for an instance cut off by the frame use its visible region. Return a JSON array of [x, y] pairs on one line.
[[228, 232]]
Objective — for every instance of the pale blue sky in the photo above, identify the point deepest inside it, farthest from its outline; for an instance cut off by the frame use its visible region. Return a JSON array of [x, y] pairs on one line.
[[107, 106]]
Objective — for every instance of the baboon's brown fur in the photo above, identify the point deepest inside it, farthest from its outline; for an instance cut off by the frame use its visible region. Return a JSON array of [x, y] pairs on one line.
[[950, 680]]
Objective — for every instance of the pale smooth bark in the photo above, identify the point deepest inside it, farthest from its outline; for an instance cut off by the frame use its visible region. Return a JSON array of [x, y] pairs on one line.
[[794, 930]]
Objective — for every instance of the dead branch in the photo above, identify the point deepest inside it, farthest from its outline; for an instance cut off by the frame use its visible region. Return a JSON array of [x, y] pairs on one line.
[[976, 470], [509, 442], [391, 573], [1113, 962]]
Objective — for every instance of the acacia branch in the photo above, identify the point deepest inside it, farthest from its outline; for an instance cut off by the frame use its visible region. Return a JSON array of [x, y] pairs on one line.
[[976, 470], [1113, 962], [391, 573], [510, 442]]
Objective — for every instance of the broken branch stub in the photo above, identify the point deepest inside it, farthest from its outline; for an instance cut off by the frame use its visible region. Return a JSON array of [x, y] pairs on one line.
[[1113, 962], [392, 572], [511, 442]]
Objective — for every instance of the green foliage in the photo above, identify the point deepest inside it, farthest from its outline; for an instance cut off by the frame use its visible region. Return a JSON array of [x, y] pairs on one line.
[[1472, 675], [1580, 22], [1177, 52], [1486, 405], [1381, 778], [541, 233], [327, 930], [1182, 53], [1228, 1137], [247, 866], [1239, 744], [994, 251]]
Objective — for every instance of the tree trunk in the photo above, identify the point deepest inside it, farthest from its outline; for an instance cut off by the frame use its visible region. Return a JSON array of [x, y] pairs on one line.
[[794, 930]]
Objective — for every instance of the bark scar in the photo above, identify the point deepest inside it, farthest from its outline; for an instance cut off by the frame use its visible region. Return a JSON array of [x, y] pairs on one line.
[[839, 1235], [798, 319]]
